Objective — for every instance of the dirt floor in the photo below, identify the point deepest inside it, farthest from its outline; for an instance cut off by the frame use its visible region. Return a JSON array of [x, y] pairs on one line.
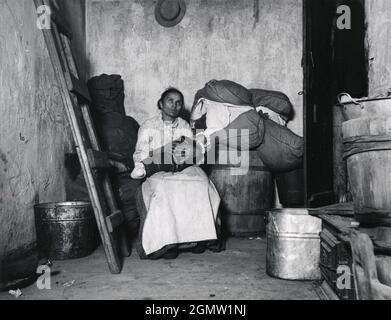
[[237, 273]]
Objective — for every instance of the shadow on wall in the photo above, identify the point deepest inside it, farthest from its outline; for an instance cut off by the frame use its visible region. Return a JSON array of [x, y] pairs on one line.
[[74, 13]]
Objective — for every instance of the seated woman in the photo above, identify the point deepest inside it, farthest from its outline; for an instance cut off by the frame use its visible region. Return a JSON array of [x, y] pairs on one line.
[[175, 207]]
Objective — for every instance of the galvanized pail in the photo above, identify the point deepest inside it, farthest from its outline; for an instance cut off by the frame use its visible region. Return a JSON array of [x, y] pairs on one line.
[[65, 230], [293, 244]]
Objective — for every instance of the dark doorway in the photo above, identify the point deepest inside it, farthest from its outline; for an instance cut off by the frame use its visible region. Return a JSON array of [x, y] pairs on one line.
[[334, 62]]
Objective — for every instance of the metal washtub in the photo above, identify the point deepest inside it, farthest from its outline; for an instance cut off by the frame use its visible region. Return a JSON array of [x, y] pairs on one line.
[[65, 230], [293, 244]]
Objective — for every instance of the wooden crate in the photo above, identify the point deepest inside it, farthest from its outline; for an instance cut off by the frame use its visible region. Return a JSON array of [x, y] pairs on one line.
[[344, 244], [336, 261], [335, 253]]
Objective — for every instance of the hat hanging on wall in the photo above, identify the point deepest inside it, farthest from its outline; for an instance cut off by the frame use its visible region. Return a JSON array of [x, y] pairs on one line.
[[169, 13]]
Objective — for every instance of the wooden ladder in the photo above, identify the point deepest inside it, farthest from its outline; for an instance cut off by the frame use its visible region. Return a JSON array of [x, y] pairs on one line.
[[94, 162]]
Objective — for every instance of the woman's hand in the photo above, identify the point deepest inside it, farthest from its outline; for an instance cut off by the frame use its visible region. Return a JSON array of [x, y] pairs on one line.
[[201, 139], [139, 171]]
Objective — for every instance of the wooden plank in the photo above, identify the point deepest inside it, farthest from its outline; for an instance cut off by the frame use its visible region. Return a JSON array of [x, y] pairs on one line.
[[114, 220], [80, 89], [68, 53], [325, 292], [62, 24], [98, 159], [339, 209], [342, 225], [329, 238], [367, 282]]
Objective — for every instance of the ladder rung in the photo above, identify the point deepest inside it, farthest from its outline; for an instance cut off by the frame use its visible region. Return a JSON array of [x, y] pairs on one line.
[[114, 220], [98, 159], [62, 24], [80, 88]]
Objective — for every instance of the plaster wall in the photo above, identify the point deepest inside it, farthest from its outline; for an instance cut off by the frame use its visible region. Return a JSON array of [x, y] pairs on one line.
[[255, 43]]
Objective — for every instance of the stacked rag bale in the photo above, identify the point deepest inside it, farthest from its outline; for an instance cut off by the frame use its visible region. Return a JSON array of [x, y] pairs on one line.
[[117, 134], [278, 147]]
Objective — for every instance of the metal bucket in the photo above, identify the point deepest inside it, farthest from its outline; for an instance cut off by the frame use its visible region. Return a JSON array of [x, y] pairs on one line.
[[293, 244], [65, 230]]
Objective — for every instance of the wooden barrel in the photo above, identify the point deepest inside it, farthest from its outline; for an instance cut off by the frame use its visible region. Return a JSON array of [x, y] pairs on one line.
[[367, 149], [246, 191]]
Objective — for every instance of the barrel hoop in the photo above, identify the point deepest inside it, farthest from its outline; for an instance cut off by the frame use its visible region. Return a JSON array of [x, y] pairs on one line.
[[360, 144], [62, 220], [292, 235], [260, 212], [63, 205], [228, 166]]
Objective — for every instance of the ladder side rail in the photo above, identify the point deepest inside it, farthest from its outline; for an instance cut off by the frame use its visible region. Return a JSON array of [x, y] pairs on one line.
[[95, 194], [111, 253], [116, 217]]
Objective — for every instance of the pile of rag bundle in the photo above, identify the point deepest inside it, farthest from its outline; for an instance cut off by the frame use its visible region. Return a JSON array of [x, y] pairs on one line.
[[227, 111], [117, 134]]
